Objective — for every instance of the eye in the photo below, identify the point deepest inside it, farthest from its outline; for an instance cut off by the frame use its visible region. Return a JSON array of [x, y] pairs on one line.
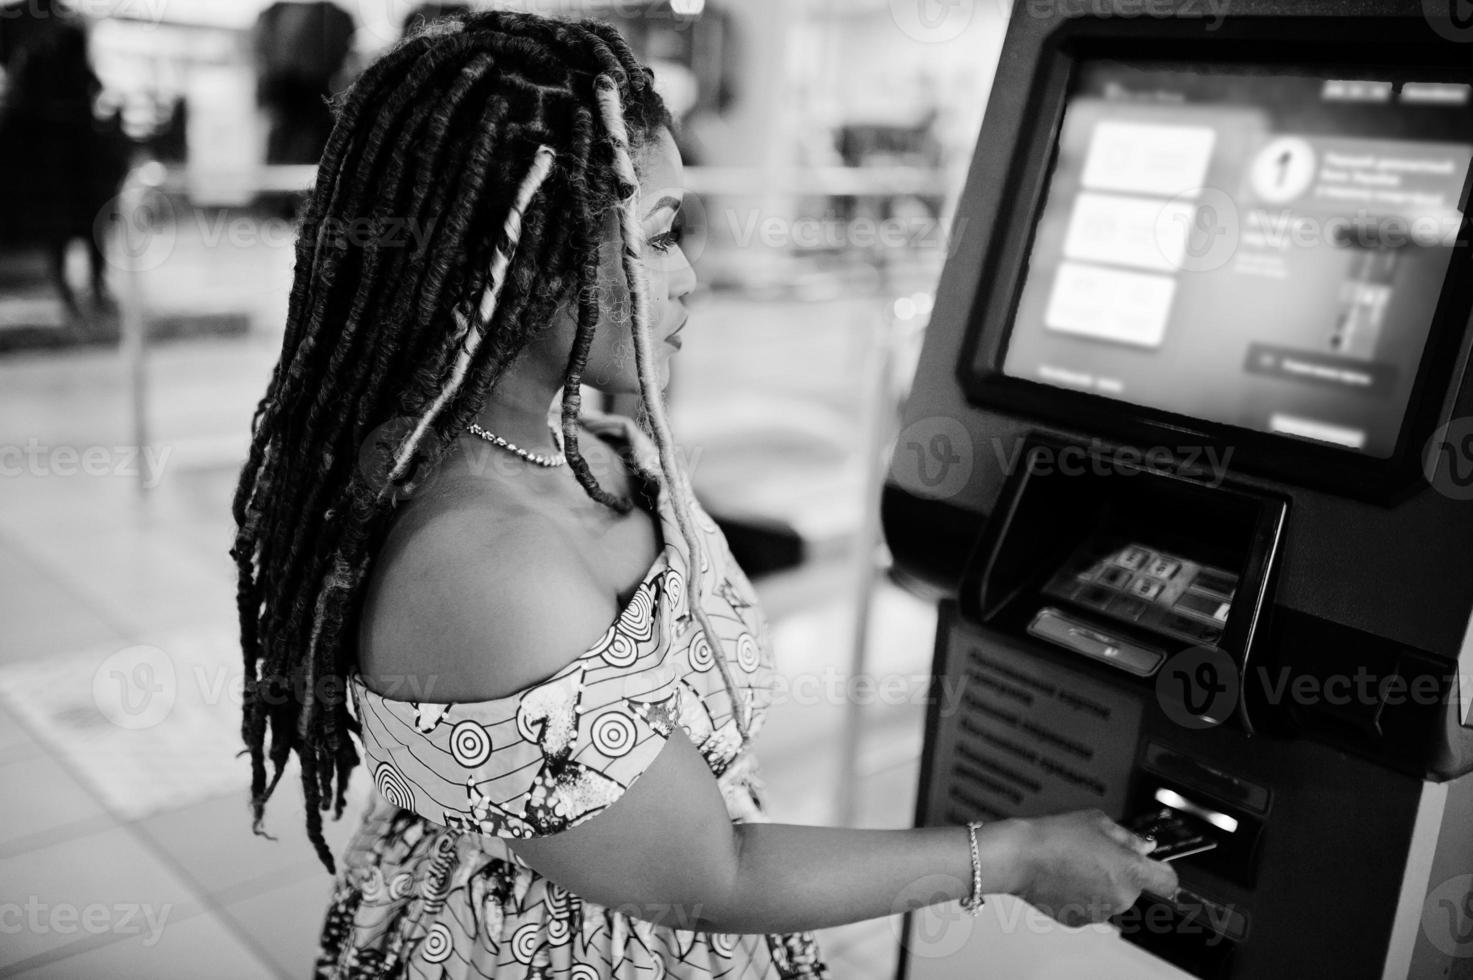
[[666, 241]]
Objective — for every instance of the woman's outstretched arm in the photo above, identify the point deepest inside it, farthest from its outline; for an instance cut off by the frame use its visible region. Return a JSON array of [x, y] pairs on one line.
[[484, 610], [666, 851]]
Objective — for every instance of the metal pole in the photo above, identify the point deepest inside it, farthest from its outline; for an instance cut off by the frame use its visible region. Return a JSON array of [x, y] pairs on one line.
[[130, 314], [880, 412]]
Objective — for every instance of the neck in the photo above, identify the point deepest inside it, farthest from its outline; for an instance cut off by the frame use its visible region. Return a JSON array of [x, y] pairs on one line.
[[518, 409]]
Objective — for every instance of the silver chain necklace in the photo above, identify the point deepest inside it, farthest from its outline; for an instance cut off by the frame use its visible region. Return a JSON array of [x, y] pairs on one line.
[[538, 458]]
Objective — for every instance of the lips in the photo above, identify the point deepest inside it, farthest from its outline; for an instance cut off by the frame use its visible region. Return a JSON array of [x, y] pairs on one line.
[[671, 337]]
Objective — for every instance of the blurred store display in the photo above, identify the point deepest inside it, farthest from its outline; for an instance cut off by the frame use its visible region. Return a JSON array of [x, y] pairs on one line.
[[821, 143], [300, 52], [61, 162]]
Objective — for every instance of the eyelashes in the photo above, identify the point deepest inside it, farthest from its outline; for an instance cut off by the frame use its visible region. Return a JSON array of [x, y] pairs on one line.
[[671, 238], [667, 241]]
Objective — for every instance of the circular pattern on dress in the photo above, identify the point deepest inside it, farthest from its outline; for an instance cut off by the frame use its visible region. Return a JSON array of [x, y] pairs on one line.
[[638, 618], [748, 657], [657, 961], [723, 943], [699, 654], [614, 733], [437, 943], [371, 882], [392, 786], [470, 744], [556, 898], [583, 971], [559, 931], [525, 942], [618, 649], [401, 886], [674, 585]]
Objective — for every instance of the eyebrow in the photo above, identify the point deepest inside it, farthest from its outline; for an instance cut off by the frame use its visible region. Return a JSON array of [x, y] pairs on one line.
[[673, 203]]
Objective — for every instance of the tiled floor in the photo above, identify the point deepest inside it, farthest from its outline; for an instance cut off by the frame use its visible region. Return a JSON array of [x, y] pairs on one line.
[[91, 563]]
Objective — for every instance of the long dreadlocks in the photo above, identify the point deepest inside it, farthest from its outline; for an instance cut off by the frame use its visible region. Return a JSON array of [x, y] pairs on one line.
[[503, 140]]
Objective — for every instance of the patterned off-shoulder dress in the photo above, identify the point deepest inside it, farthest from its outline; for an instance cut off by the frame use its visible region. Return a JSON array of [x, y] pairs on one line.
[[428, 887]]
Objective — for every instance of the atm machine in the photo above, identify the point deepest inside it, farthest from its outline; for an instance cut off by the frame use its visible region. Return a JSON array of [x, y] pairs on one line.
[[1188, 463]]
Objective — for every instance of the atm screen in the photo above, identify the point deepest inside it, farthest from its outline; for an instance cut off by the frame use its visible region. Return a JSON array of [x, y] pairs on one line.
[[1258, 248]]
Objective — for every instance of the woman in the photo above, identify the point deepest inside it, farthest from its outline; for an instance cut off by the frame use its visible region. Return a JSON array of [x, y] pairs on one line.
[[556, 688]]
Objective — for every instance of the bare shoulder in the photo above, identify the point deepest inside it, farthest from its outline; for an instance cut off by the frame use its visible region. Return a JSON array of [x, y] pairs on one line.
[[465, 605]]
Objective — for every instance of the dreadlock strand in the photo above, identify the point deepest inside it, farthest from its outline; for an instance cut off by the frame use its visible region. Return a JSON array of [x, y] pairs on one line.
[[588, 316], [632, 238], [512, 232], [345, 351], [256, 716], [301, 376]]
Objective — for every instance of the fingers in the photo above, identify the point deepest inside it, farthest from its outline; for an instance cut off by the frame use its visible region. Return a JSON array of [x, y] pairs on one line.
[[1117, 833], [1158, 878]]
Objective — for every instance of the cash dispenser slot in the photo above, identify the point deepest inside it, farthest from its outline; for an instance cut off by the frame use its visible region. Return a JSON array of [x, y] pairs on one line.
[[1125, 565]]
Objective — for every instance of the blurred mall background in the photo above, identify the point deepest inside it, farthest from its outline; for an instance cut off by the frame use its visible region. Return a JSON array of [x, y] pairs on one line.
[[151, 152]]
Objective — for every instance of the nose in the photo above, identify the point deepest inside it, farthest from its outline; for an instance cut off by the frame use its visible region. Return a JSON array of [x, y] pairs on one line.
[[683, 279]]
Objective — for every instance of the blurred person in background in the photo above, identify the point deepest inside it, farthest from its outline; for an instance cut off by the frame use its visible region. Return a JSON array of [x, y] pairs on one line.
[[60, 165], [553, 665], [301, 50]]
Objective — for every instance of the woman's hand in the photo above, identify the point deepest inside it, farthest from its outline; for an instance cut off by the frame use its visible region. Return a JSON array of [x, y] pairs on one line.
[[1082, 867]]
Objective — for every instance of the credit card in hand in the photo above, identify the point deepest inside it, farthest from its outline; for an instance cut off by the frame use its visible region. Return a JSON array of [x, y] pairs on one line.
[[1175, 837], [1181, 849]]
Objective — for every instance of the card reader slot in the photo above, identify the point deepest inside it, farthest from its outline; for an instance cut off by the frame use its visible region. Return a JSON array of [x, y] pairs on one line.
[[1073, 634], [1207, 834]]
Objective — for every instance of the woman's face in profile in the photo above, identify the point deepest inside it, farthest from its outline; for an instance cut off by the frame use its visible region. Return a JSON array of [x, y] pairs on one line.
[[668, 277]]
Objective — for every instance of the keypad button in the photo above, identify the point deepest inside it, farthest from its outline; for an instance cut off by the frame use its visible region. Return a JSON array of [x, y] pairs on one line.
[[1134, 558], [1093, 595], [1115, 578], [1208, 607], [1218, 583], [1146, 588], [1128, 607], [1164, 567]]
